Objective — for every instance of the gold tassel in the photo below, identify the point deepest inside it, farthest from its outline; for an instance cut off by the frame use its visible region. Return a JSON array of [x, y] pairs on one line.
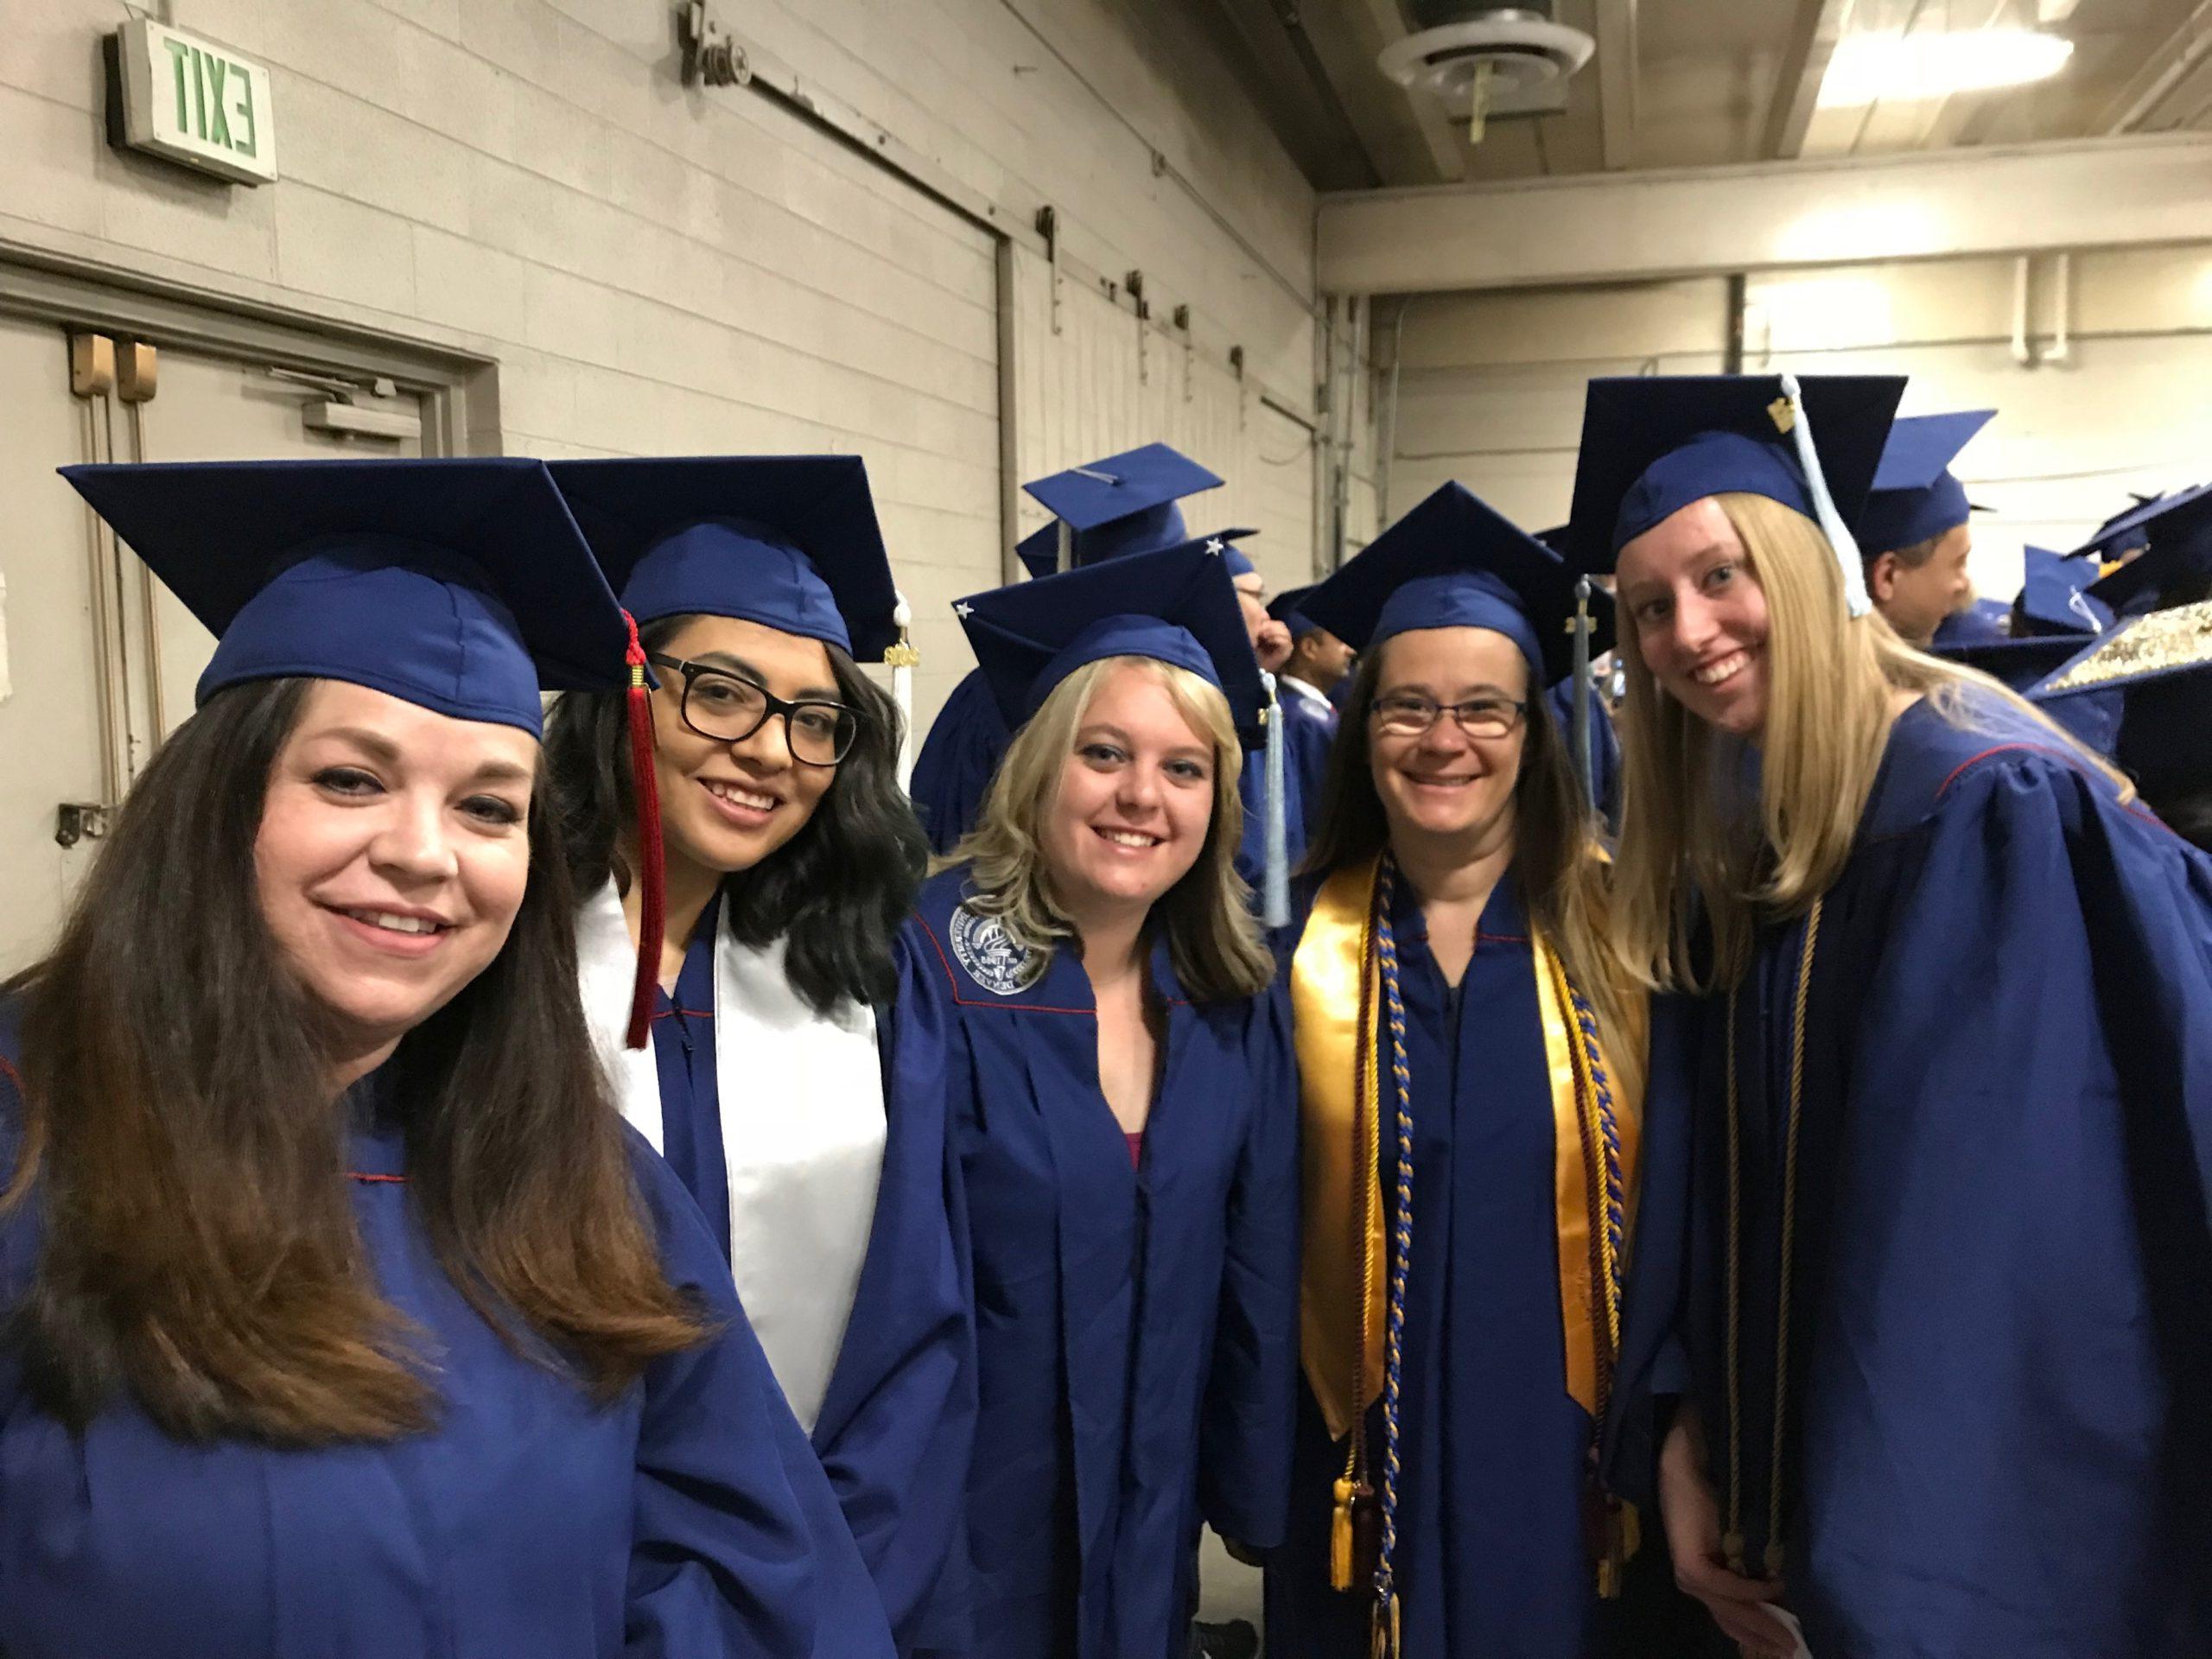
[[1384, 1637], [1340, 1537]]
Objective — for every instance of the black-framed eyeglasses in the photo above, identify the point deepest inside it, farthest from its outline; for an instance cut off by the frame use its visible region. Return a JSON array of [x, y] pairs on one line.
[[1408, 715], [728, 707]]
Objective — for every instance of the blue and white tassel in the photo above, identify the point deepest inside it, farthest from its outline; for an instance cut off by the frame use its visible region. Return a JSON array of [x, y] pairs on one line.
[[1824, 510], [1275, 888]]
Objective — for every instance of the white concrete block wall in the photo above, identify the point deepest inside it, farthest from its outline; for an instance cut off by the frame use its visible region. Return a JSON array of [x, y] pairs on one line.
[[656, 268]]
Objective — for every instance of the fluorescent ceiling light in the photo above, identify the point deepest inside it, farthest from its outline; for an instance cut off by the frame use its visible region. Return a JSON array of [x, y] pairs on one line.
[[1890, 68]]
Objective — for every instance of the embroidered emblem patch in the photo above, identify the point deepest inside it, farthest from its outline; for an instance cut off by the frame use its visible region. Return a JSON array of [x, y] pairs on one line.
[[995, 961]]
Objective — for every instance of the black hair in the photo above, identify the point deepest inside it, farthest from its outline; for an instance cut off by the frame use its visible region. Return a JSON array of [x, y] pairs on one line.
[[839, 890]]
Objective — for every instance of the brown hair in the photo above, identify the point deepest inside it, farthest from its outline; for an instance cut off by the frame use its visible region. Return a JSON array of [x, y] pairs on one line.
[[200, 1251], [1211, 938], [1557, 858]]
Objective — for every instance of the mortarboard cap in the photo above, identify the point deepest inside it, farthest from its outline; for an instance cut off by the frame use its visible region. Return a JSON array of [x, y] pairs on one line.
[[461, 586], [1652, 445], [2052, 600], [2124, 530], [1123, 504], [2160, 665], [2175, 567], [790, 542], [1175, 605], [1284, 608], [1454, 561], [1915, 497]]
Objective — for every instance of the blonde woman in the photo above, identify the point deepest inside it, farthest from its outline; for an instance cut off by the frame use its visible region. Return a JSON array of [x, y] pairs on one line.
[[1469, 1068], [1933, 1243], [1085, 985]]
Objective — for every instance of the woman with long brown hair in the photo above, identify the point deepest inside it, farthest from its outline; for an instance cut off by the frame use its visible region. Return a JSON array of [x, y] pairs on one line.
[[1084, 992], [1471, 1068], [1918, 1338], [342, 1318]]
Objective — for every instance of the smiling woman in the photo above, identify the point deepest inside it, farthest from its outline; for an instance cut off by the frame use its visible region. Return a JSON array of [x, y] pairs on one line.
[[340, 1314], [1077, 1002]]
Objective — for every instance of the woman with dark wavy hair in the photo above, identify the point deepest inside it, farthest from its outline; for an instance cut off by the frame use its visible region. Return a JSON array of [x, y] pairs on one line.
[[342, 1315], [753, 1055]]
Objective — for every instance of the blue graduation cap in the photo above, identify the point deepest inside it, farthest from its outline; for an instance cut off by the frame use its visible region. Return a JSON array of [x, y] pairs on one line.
[[460, 585], [1455, 561], [1652, 445], [2052, 600], [2160, 665], [790, 542], [2151, 518], [1915, 497], [1173, 604], [2175, 567], [1284, 608], [1124, 504]]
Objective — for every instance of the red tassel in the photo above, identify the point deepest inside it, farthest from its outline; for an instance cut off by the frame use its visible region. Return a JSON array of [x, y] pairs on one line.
[[652, 917]]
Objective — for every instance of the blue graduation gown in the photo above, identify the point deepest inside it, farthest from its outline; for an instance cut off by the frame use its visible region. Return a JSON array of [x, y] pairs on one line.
[[1999, 1410], [1136, 1328], [966, 744], [1491, 1557], [895, 1426], [688, 1519]]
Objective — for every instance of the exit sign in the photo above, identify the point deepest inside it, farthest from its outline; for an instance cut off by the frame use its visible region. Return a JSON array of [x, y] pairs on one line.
[[195, 103]]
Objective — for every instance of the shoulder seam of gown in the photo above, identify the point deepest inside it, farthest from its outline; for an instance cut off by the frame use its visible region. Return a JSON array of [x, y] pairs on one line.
[[2068, 760]]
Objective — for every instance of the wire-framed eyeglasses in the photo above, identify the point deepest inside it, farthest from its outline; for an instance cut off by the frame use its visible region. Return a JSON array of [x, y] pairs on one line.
[[1409, 715], [728, 707]]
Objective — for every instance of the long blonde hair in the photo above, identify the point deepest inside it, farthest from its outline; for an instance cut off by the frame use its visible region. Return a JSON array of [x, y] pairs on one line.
[[1689, 835], [1213, 939]]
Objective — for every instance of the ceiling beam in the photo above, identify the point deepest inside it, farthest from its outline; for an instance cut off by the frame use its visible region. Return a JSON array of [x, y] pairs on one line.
[[1599, 227], [2167, 66], [1616, 78], [1813, 31]]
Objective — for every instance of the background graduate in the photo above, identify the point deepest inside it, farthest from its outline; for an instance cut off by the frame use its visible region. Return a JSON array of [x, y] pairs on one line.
[[345, 1318], [1916, 534], [1093, 983], [1466, 1226], [1934, 1243], [1319, 662], [1108, 509], [791, 857]]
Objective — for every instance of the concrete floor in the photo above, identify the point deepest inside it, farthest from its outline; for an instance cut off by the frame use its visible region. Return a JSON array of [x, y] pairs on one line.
[[1227, 1589]]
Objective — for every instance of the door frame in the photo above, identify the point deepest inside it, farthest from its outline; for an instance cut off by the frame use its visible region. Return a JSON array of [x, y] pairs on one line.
[[460, 389]]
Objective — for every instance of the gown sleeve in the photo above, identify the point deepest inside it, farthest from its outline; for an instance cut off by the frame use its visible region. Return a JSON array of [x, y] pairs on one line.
[[2014, 1358], [1250, 1395], [899, 1421], [738, 1547]]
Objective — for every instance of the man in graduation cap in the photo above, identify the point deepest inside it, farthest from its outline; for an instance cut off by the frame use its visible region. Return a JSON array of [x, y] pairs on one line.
[[1106, 509], [1319, 663], [1914, 531], [1916, 1322]]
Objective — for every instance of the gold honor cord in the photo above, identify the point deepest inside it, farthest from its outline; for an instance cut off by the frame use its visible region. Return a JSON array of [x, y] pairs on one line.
[[1733, 1541]]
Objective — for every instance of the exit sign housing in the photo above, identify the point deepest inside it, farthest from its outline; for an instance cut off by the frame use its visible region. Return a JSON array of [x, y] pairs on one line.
[[194, 103]]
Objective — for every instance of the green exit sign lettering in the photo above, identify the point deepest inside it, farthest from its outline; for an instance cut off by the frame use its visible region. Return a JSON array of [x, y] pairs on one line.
[[195, 103]]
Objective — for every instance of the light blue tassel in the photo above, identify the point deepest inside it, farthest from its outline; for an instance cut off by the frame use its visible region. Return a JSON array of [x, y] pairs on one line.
[[1275, 888], [1824, 508], [1583, 768]]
